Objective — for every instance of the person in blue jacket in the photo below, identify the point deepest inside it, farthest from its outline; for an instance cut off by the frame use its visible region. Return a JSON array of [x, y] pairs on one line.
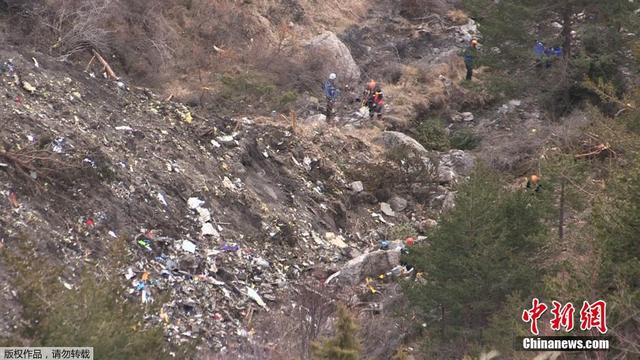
[[331, 94], [538, 50]]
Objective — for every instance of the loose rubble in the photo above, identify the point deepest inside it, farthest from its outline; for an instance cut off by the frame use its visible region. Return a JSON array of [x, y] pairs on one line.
[[220, 216]]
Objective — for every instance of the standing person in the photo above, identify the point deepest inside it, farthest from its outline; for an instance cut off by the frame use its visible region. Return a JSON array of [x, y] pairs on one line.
[[331, 93], [538, 50], [470, 56], [376, 103], [373, 98], [369, 90]]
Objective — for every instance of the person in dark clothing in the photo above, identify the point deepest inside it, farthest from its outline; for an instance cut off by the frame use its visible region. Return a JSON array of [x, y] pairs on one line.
[[533, 182], [376, 103], [470, 56]]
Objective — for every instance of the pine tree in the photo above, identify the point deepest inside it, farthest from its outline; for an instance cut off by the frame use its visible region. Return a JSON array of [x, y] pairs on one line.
[[488, 246], [344, 345], [617, 222], [510, 28]]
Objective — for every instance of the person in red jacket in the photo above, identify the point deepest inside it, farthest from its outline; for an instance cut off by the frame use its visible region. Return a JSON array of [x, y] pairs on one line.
[[376, 103]]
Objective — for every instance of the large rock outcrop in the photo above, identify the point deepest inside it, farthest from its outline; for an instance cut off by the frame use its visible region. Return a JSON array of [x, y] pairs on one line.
[[395, 139], [368, 265], [336, 56]]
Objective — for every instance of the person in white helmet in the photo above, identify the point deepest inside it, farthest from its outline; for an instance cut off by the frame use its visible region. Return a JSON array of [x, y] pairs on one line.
[[331, 93]]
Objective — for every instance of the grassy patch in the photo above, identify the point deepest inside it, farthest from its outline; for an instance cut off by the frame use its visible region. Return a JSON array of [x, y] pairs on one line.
[[432, 134]]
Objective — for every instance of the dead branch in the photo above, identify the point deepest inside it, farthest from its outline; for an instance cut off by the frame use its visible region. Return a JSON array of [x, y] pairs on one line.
[[597, 150], [89, 64], [41, 163], [104, 63]]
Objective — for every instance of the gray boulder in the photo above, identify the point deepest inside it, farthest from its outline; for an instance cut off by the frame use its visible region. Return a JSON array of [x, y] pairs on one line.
[[369, 265], [398, 204], [461, 162], [317, 118], [336, 56], [394, 139], [357, 186]]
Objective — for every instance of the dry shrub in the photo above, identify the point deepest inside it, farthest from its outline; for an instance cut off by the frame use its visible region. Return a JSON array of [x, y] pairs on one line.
[[457, 17], [413, 9], [185, 45], [66, 27], [385, 331], [288, 333]]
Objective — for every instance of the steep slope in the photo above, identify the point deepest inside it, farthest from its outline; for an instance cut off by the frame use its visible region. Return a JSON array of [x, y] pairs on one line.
[[219, 216]]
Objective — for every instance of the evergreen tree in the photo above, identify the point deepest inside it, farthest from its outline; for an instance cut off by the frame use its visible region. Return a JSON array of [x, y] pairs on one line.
[[344, 345], [617, 222], [591, 43], [487, 247]]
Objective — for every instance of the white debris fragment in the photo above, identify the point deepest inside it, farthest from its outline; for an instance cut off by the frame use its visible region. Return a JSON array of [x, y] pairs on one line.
[[161, 198], [227, 183], [261, 262], [226, 139], [253, 295], [307, 163], [67, 285], [204, 215], [333, 276], [386, 209], [467, 116], [194, 203], [209, 230], [188, 246], [30, 88], [336, 240], [130, 274], [124, 128]]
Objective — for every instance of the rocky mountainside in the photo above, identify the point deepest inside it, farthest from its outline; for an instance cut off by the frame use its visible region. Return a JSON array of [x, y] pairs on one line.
[[220, 217], [222, 204]]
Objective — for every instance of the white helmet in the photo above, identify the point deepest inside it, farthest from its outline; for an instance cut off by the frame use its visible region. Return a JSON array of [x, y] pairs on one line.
[[332, 76]]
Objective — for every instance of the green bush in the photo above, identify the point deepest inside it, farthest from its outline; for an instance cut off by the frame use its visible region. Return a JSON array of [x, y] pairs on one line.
[[402, 231], [285, 99], [464, 139], [432, 135], [94, 313], [245, 87], [252, 88], [344, 345]]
